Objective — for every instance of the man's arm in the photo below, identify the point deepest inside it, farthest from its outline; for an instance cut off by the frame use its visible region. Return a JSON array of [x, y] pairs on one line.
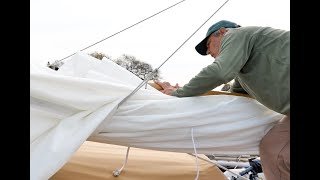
[[234, 53], [167, 88], [237, 88]]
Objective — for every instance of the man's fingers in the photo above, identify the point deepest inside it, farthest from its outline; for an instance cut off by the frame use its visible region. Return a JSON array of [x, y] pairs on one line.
[[165, 84], [157, 82]]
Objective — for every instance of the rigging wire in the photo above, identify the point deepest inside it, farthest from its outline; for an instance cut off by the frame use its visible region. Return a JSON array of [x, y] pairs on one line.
[[121, 30], [156, 70]]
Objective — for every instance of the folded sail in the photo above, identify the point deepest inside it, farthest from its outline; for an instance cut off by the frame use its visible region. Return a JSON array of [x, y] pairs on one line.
[[79, 103]]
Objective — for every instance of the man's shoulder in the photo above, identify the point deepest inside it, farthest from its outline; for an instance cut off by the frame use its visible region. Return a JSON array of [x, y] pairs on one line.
[[241, 33], [249, 32], [247, 29]]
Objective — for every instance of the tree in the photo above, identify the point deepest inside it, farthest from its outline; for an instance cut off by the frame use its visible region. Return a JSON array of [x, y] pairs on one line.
[[131, 63], [137, 67], [99, 55]]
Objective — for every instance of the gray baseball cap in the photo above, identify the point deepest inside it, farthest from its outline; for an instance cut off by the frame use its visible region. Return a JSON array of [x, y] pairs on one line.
[[202, 46]]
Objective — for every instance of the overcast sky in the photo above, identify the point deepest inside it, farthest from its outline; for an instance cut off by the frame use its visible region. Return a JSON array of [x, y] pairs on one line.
[[59, 28]]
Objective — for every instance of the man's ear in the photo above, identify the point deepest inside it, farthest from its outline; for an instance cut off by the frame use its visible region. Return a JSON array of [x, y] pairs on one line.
[[223, 30]]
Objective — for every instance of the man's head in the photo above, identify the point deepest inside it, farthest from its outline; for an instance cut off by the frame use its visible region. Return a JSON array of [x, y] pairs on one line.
[[211, 43]]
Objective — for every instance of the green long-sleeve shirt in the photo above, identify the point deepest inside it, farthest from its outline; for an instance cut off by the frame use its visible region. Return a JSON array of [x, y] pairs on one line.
[[258, 57]]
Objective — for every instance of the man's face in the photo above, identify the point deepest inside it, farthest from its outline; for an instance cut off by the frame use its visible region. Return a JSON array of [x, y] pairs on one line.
[[213, 43]]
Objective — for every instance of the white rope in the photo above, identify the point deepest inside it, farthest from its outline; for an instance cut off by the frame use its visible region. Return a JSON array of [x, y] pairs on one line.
[[222, 167], [196, 154], [238, 160], [117, 172]]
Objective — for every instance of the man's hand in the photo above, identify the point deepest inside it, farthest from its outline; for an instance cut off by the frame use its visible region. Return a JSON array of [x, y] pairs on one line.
[[167, 87]]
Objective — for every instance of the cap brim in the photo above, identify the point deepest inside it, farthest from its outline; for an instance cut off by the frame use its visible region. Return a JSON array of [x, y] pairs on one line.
[[201, 48]]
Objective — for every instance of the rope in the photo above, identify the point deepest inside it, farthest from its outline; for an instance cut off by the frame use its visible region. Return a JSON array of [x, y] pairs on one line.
[[123, 29], [196, 154], [193, 34], [220, 166], [117, 172], [156, 70], [238, 160]]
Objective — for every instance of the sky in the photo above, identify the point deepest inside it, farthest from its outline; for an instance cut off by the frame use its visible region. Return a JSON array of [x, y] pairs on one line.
[[59, 28]]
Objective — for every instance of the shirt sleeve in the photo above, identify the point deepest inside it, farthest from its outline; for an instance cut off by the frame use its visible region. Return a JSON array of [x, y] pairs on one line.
[[237, 88], [234, 52]]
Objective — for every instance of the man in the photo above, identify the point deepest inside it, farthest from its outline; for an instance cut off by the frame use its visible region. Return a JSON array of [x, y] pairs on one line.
[[258, 58]]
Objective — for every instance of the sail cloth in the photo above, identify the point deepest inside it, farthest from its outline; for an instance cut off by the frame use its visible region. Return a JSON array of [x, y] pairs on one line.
[[79, 102]]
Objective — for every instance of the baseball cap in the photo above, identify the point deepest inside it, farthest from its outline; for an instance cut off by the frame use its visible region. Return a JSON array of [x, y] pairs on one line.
[[202, 46]]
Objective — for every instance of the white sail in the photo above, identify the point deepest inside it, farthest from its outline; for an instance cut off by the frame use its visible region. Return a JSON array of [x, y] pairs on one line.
[[79, 102]]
